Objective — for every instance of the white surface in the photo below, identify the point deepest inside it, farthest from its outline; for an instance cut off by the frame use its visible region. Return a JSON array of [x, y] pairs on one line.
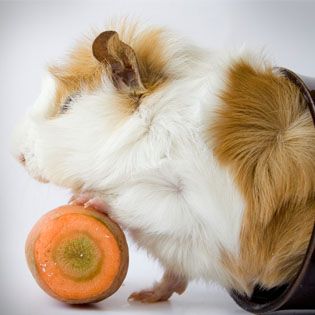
[[32, 34]]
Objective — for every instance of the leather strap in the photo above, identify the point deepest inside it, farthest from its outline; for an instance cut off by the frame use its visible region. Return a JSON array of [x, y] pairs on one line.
[[300, 294]]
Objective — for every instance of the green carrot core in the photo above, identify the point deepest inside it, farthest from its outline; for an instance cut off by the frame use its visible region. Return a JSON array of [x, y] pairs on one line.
[[78, 257]]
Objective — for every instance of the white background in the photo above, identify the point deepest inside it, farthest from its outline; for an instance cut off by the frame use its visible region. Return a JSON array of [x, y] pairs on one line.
[[33, 33]]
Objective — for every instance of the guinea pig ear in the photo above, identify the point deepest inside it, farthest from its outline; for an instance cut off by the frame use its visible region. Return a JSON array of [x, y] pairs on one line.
[[120, 59]]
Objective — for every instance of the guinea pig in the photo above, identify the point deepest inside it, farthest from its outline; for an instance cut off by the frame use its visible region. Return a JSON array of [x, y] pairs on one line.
[[205, 157]]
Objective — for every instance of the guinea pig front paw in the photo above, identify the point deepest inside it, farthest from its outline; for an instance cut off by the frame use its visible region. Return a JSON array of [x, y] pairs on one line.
[[88, 199]]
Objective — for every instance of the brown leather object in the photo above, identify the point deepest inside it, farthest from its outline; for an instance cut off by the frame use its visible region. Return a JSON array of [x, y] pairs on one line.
[[300, 294]]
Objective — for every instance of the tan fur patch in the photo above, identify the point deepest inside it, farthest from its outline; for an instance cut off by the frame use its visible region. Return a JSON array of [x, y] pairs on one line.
[[149, 50], [83, 70], [264, 134]]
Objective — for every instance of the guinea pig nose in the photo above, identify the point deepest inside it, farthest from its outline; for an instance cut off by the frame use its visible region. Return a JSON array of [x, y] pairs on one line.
[[21, 158]]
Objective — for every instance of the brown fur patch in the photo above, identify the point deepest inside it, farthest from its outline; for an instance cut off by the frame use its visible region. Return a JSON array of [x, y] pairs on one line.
[[82, 70], [264, 134]]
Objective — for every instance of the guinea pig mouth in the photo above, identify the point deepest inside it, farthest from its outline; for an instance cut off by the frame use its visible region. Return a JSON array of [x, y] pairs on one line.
[[24, 162]]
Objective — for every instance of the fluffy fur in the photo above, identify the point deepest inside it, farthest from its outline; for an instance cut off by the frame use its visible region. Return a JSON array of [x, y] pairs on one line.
[[263, 132], [166, 163]]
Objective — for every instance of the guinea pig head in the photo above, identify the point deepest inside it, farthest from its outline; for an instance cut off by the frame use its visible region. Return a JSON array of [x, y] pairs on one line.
[[67, 137]]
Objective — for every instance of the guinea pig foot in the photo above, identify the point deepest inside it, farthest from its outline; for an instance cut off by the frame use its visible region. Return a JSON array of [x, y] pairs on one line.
[[150, 296], [88, 199], [161, 291], [80, 199], [98, 204]]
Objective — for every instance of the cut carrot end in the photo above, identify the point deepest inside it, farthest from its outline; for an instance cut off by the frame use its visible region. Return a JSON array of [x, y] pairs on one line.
[[77, 255]]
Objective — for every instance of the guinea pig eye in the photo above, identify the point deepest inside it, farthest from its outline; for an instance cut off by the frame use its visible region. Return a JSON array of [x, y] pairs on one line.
[[67, 103]]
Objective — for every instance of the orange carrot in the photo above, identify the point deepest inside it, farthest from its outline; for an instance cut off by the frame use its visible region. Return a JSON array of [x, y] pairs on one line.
[[77, 255]]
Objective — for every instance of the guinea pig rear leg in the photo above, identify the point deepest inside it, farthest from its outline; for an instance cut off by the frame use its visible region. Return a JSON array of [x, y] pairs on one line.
[[88, 199], [162, 290]]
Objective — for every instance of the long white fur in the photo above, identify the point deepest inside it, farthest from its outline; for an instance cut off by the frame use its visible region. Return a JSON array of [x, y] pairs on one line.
[[152, 167]]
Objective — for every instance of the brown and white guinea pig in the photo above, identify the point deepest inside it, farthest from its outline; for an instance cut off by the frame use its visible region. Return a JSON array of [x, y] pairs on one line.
[[207, 158]]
